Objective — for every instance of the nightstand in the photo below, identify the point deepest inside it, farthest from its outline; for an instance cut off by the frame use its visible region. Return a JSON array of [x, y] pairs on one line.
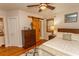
[[52, 36]]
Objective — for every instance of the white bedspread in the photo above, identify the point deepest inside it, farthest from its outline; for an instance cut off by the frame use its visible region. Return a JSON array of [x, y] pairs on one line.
[[64, 46]]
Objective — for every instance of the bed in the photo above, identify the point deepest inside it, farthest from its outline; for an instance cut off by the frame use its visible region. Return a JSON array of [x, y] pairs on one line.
[[60, 47]]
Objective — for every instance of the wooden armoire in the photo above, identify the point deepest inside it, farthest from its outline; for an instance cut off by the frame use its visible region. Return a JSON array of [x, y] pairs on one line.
[[28, 38]]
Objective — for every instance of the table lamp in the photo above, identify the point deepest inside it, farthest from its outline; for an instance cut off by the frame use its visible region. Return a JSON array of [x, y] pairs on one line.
[[52, 29]]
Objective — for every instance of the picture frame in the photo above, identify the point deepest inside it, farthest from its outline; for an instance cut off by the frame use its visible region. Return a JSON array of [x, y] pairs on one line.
[[71, 17], [1, 27], [49, 22]]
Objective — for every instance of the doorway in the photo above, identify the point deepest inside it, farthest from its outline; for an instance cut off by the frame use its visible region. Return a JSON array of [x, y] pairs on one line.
[[37, 26], [12, 24]]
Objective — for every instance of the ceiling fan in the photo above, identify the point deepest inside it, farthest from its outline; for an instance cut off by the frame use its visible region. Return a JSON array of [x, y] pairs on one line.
[[43, 6]]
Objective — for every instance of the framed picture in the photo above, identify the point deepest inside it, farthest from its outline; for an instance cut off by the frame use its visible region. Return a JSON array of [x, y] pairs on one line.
[[1, 27], [72, 17], [50, 22]]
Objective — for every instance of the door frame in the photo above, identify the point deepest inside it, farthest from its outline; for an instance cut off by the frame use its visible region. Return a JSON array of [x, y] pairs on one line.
[[7, 44], [40, 26]]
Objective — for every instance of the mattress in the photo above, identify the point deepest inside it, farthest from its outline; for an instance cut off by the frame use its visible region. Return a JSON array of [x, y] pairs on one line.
[[58, 46]]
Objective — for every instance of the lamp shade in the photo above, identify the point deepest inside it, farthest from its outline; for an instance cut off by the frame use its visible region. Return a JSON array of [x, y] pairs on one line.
[[51, 28], [43, 6]]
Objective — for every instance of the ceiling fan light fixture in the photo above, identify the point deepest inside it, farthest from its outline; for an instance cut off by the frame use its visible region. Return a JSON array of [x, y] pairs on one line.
[[43, 6]]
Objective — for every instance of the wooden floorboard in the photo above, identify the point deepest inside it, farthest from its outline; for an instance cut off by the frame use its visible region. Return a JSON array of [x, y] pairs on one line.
[[16, 51], [9, 51]]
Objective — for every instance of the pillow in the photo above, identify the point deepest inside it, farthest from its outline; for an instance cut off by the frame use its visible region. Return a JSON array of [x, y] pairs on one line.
[[67, 36], [75, 37], [59, 34]]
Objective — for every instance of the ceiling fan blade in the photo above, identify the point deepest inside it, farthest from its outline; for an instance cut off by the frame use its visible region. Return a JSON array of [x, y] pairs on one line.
[[40, 10], [32, 5], [50, 7]]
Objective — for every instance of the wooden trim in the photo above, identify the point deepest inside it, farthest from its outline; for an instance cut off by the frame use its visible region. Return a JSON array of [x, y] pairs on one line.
[[35, 23], [69, 30], [35, 17]]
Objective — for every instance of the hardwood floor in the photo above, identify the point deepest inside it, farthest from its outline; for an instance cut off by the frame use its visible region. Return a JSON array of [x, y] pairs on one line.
[[11, 51], [16, 51]]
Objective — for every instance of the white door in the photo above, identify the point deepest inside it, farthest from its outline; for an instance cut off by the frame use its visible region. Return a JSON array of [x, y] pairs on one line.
[[12, 31]]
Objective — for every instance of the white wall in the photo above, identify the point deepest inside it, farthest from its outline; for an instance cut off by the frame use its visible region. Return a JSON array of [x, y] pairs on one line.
[[44, 33], [59, 19], [24, 20]]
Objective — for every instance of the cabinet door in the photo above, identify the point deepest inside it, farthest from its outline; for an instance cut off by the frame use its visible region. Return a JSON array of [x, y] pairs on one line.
[[26, 39], [33, 37], [29, 38]]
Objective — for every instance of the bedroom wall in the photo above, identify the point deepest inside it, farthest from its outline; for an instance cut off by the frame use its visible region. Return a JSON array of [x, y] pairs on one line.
[[24, 20], [59, 19]]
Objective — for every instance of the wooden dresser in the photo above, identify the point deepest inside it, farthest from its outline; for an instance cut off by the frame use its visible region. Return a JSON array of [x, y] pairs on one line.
[[29, 38]]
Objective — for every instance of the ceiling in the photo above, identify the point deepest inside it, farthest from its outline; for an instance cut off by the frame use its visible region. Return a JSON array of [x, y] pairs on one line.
[[22, 6]]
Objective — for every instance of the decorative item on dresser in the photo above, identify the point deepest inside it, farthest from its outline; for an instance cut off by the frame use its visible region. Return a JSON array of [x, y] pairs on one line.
[[29, 38]]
